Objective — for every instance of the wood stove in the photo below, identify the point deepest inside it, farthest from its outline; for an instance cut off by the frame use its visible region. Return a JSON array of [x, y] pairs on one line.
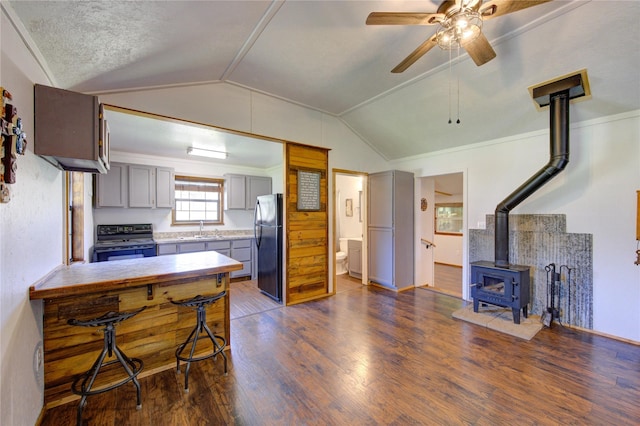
[[507, 287], [498, 282]]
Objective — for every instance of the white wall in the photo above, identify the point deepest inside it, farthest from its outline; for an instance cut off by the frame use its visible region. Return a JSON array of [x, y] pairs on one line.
[[424, 223], [448, 249], [237, 108], [31, 244], [349, 187], [596, 191]]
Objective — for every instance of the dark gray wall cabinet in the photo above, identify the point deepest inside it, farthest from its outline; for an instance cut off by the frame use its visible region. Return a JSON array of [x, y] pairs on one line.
[[69, 130]]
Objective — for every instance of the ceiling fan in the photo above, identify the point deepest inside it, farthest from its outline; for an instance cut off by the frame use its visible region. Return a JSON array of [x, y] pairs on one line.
[[460, 25]]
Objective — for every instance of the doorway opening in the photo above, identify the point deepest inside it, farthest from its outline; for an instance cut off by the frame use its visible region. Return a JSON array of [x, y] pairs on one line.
[[441, 226], [348, 251]]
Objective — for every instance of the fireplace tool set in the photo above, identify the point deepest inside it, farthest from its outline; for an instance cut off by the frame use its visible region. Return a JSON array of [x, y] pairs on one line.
[[554, 293]]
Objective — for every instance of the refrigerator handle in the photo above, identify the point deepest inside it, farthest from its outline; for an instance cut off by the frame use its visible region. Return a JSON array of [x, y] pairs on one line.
[[257, 229]]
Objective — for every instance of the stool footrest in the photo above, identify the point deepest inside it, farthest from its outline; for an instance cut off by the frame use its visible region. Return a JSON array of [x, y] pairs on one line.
[[79, 385], [219, 347]]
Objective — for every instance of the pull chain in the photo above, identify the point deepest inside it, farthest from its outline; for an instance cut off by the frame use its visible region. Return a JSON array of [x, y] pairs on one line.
[[458, 76], [449, 86]]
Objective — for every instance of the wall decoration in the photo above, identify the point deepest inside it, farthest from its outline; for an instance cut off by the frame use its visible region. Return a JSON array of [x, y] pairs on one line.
[[423, 204], [349, 207], [308, 190], [14, 142]]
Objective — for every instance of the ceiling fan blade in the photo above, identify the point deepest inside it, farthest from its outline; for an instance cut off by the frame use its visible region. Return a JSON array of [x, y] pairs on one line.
[[495, 8], [404, 18], [415, 55], [480, 50]]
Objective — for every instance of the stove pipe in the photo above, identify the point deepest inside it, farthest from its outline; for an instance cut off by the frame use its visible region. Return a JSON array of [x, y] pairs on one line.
[[556, 94], [558, 159]]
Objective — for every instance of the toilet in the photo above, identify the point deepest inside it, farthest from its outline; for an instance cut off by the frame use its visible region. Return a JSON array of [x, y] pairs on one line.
[[341, 257]]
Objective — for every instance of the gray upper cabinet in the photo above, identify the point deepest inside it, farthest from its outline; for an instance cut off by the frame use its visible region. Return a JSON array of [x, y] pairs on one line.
[[256, 185], [135, 185], [390, 229], [142, 186], [165, 187], [241, 190], [235, 190], [112, 188]]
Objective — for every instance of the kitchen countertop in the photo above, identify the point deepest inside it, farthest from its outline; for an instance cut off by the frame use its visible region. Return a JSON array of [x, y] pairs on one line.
[[89, 278], [173, 239]]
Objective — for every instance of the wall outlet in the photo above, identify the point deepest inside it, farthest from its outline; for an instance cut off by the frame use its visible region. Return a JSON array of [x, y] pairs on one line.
[[38, 358]]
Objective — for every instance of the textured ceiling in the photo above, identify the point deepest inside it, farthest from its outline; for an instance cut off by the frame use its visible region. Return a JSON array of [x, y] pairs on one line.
[[322, 55]]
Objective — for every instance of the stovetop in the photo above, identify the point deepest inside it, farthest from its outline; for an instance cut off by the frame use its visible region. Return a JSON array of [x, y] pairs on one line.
[[124, 235], [125, 243]]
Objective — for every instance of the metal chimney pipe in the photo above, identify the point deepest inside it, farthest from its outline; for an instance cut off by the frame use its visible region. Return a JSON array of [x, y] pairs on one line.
[[558, 159]]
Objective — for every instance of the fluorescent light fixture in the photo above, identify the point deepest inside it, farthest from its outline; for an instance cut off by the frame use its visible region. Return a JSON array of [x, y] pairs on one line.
[[206, 153]]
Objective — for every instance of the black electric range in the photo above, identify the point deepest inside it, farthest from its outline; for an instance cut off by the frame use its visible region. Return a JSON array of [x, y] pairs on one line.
[[117, 242]]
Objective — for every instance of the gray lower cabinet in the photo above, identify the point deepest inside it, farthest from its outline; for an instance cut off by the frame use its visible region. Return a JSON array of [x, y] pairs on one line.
[[191, 247], [390, 229], [240, 250], [354, 258], [167, 249]]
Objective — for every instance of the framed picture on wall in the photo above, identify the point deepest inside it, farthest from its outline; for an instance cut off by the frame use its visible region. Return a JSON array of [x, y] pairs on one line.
[[349, 207], [308, 190]]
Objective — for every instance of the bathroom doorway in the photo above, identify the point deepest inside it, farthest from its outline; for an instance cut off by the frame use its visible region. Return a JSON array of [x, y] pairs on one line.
[[349, 224]]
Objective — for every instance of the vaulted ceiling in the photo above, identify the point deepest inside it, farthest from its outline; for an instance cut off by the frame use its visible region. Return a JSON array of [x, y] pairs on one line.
[[320, 54]]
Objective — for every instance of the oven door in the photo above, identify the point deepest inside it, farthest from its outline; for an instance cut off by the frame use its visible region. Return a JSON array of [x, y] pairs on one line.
[[106, 255]]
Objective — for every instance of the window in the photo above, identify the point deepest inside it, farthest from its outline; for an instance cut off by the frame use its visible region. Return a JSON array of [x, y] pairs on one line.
[[449, 218], [198, 199]]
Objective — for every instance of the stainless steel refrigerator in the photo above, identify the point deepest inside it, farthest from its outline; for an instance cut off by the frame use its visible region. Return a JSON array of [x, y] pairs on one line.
[[268, 237]]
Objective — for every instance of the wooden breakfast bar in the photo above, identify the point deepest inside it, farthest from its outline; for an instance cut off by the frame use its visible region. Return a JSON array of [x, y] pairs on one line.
[[91, 290]]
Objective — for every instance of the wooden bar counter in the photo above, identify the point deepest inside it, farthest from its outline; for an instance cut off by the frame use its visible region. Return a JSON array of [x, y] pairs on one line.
[[90, 290]]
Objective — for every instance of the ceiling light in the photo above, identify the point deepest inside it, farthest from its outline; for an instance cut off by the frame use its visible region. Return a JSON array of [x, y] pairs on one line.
[[206, 153], [459, 27]]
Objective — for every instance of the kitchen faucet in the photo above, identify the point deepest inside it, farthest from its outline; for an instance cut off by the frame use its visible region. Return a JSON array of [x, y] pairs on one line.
[[201, 227]]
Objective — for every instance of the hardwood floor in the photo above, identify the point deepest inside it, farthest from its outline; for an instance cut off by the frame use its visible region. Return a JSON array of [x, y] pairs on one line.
[[345, 282], [372, 356], [246, 299], [448, 279]]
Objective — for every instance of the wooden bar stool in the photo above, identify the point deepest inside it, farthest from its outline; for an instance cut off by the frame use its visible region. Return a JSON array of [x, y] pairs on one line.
[[83, 384], [200, 303]]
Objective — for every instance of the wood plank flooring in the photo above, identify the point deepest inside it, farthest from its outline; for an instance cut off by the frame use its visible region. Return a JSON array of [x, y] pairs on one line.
[[246, 299], [371, 356], [448, 279]]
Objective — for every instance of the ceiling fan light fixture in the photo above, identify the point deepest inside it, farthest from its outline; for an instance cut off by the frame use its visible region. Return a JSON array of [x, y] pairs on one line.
[[459, 27], [207, 153]]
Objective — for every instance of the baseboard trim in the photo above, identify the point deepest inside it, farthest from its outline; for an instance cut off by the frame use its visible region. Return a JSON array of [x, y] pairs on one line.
[[448, 264]]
